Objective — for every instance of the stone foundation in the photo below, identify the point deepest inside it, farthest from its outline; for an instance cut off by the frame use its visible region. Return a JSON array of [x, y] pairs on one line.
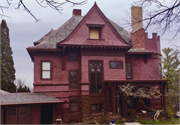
[[71, 117], [110, 116], [87, 116]]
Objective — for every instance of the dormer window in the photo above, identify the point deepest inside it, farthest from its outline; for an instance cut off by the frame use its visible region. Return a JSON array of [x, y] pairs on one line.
[[95, 31]]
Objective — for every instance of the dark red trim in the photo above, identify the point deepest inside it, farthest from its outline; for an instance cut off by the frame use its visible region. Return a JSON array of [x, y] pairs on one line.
[[129, 52], [96, 25]]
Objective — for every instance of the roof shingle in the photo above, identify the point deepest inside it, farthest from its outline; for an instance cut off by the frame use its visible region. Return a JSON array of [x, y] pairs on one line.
[[26, 98]]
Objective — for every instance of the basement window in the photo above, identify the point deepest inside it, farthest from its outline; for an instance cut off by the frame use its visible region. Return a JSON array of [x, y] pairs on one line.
[[96, 108], [74, 105]]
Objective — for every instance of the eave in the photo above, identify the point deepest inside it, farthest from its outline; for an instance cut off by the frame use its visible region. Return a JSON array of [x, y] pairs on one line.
[[94, 46], [34, 50], [137, 82], [140, 53], [30, 103], [140, 81]]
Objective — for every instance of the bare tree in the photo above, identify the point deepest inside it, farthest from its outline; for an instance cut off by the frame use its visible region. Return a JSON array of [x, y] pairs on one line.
[[54, 4], [164, 17], [20, 85], [142, 92]]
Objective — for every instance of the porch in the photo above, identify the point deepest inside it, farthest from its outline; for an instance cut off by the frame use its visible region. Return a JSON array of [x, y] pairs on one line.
[[129, 107]]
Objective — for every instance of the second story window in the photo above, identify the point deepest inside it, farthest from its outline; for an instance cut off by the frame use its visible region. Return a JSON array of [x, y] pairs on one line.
[[73, 57], [73, 79], [46, 70], [94, 33], [96, 77], [128, 71], [116, 64]]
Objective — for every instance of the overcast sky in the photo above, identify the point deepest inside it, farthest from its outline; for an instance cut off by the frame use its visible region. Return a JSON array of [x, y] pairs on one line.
[[24, 30]]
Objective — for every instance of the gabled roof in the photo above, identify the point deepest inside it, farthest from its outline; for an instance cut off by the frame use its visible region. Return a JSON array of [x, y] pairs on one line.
[[67, 28], [60, 34], [26, 98], [45, 37]]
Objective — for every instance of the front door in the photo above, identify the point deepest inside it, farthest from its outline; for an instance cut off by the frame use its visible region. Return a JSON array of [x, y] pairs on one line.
[[96, 76], [46, 114]]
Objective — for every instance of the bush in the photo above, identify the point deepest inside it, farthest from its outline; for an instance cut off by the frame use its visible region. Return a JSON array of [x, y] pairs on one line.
[[170, 121], [119, 122]]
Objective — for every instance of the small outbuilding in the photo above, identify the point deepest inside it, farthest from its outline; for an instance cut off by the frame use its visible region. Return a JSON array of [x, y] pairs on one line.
[[27, 108]]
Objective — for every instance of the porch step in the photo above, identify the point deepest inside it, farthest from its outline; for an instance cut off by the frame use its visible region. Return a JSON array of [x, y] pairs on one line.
[[132, 123]]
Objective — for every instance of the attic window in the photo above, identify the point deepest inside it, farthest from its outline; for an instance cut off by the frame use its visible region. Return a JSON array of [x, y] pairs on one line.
[[95, 30], [94, 33]]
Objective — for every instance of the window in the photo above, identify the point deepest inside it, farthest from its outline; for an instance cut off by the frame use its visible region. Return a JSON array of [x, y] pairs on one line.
[[160, 71], [96, 108], [96, 77], [94, 33], [116, 64], [74, 105], [11, 112], [46, 70], [73, 57], [128, 71], [73, 79]]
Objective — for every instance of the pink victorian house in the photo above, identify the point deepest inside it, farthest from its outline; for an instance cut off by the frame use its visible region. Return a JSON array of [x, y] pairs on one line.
[[83, 62]]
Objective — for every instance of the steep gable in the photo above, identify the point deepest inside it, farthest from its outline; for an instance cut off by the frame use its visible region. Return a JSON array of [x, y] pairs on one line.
[[64, 33], [95, 22]]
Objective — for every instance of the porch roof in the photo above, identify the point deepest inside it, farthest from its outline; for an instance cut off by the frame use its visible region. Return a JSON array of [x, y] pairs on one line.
[[138, 82], [26, 98], [131, 80]]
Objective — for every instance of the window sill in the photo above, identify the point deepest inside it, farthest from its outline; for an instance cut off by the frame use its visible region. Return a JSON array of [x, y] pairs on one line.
[[96, 39], [97, 94], [100, 113]]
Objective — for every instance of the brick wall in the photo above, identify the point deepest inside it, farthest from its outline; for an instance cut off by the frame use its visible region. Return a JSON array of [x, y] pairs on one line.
[[71, 117], [137, 39], [86, 113]]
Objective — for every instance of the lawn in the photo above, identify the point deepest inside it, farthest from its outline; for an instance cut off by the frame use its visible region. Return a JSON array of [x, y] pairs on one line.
[[170, 121]]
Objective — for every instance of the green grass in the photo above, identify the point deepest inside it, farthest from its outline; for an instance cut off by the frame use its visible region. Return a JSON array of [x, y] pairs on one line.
[[170, 121]]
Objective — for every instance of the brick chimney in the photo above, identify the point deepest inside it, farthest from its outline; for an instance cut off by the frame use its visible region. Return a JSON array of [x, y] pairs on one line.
[[137, 34], [76, 12]]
